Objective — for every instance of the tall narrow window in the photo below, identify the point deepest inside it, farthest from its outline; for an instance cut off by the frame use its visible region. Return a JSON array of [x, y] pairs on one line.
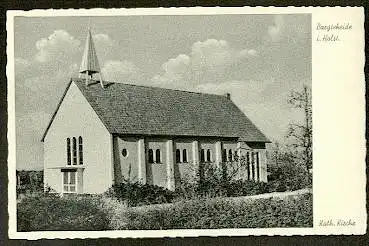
[[178, 156], [257, 166], [235, 156], [252, 166], [80, 150], [230, 155], [208, 156], [74, 151], [248, 165], [68, 152], [184, 155], [151, 156], [158, 159], [202, 155], [224, 155]]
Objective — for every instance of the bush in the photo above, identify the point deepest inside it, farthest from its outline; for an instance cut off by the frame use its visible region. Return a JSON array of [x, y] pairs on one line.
[[292, 211], [220, 189], [137, 194], [114, 209], [288, 176], [51, 212], [30, 182]]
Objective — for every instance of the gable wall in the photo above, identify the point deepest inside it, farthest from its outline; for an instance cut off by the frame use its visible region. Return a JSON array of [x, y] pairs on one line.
[[75, 118]]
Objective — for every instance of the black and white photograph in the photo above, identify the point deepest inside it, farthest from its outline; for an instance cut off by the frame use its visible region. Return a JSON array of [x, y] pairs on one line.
[[163, 122]]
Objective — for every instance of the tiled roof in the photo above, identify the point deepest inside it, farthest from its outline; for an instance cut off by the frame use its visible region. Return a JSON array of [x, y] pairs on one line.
[[132, 109]]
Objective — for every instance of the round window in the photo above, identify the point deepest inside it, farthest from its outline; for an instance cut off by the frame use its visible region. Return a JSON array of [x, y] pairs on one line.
[[124, 152]]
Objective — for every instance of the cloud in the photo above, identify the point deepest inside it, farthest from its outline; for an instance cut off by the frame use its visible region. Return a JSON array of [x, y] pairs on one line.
[[275, 31], [119, 71], [208, 59], [105, 47], [102, 40], [59, 46]]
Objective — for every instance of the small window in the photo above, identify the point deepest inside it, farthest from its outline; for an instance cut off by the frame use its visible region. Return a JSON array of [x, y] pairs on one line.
[[80, 150], [124, 152], [252, 165], [248, 165], [151, 156], [158, 159], [178, 156], [202, 155], [74, 151], [224, 155], [230, 155], [184, 157], [68, 152], [208, 156], [257, 166], [235, 156]]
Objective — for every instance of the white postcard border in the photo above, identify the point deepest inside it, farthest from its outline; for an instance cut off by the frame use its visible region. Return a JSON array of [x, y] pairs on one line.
[[338, 123]]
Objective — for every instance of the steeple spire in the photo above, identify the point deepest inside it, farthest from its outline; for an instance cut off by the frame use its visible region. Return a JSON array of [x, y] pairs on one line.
[[90, 63]]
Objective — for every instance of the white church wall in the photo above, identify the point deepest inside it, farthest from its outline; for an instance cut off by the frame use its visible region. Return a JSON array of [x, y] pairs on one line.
[[260, 149], [126, 164], [156, 172], [184, 170], [76, 118], [208, 145]]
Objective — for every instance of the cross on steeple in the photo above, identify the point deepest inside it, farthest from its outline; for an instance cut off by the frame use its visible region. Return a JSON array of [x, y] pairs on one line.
[[90, 63]]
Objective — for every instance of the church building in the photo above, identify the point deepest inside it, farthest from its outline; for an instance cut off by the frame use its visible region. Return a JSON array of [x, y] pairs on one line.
[[103, 133]]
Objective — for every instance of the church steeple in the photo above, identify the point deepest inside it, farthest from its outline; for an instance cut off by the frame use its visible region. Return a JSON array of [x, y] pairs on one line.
[[90, 63]]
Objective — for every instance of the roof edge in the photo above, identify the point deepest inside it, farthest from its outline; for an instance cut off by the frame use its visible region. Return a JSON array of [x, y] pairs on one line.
[[56, 110], [266, 140], [92, 81]]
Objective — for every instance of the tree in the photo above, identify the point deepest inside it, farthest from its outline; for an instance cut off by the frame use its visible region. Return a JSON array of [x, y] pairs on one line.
[[301, 133]]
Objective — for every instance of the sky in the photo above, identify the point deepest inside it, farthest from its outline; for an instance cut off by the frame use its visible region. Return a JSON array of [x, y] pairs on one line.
[[258, 59]]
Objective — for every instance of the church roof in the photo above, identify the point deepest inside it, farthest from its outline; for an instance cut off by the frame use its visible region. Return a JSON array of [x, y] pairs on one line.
[[144, 110]]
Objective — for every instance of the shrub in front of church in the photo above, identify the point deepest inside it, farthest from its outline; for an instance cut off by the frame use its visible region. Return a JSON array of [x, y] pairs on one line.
[[51, 212], [137, 194], [291, 211], [212, 181]]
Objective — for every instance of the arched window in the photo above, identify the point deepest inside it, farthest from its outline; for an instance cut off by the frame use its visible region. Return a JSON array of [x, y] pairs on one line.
[[178, 156], [208, 155], [224, 155], [202, 155], [74, 151], [252, 165], [184, 155], [158, 159], [235, 156], [230, 155], [257, 166], [151, 156], [248, 165], [80, 150], [68, 152]]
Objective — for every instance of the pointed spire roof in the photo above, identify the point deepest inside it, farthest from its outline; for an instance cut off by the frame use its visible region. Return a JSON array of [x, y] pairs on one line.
[[90, 63]]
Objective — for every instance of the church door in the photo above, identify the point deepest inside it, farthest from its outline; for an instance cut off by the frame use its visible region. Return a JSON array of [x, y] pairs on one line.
[[70, 181]]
